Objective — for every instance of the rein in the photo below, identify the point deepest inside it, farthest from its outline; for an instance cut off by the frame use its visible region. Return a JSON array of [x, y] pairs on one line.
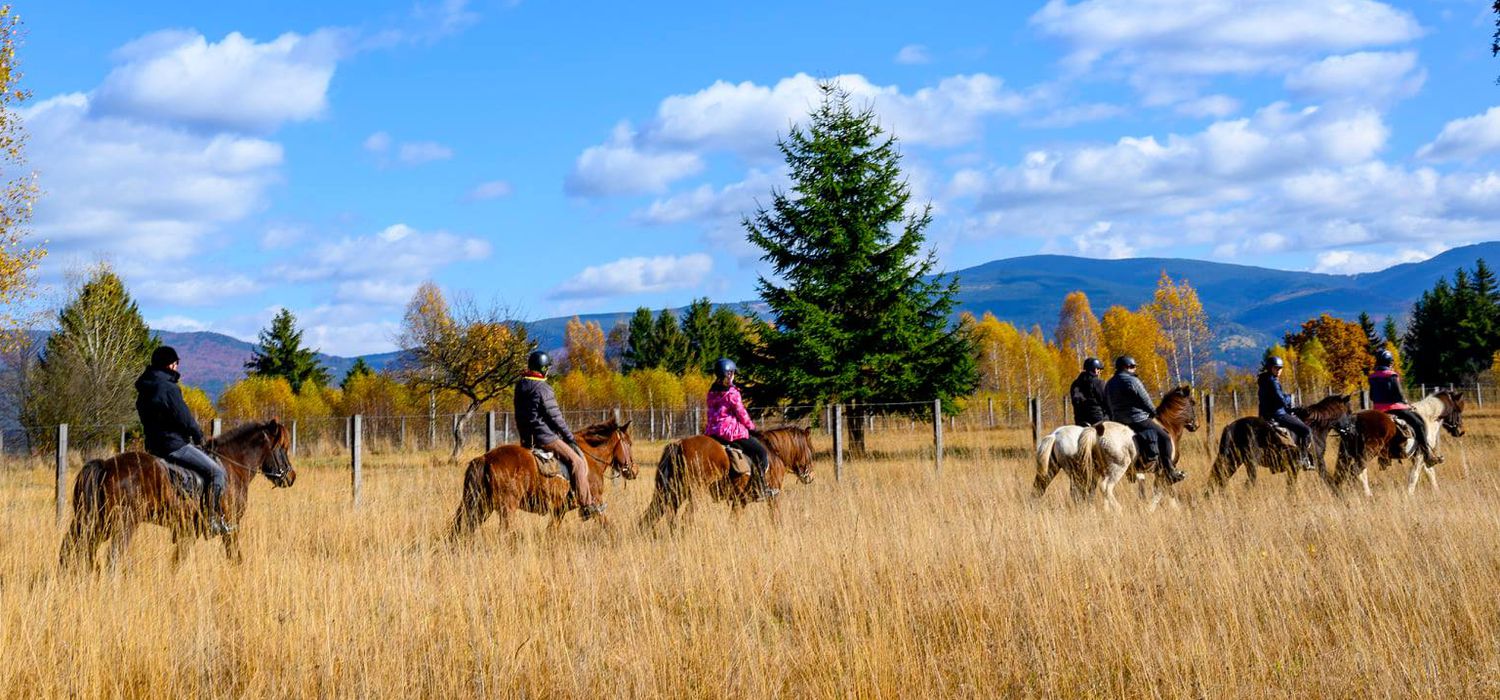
[[614, 467]]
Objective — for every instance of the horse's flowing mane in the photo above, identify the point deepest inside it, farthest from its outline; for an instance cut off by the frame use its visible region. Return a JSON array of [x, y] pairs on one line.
[[1174, 400], [239, 434], [1327, 410], [598, 433], [789, 442]]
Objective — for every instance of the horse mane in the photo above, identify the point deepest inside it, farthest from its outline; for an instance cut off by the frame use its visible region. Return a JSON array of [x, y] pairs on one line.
[[1174, 400], [598, 433], [1326, 410], [790, 442], [239, 433]]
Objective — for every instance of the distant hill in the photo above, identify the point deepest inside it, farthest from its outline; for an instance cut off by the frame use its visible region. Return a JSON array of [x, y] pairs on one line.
[[1249, 307]]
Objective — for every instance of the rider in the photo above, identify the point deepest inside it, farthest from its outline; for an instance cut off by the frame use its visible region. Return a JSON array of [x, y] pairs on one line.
[[1087, 394], [1276, 407], [542, 426], [1385, 393], [729, 423], [1130, 404], [173, 434]]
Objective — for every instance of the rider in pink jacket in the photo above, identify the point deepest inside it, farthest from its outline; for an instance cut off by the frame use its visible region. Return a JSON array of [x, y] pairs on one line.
[[729, 423]]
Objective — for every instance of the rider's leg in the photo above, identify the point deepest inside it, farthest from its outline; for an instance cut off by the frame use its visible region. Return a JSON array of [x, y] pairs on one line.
[[760, 459], [214, 479], [578, 466], [1161, 443], [1419, 433], [1304, 438]]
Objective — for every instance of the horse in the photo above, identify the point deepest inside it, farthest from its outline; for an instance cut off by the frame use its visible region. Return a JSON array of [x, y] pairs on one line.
[[1252, 441], [1110, 447], [700, 463], [1058, 451], [111, 497], [506, 479], [1376, 435]]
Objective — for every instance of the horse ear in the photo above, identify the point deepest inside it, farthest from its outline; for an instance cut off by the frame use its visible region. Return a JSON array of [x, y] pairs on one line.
[[626, 427]]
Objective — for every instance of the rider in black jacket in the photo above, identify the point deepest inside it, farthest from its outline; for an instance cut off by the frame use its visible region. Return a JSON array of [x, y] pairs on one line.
[[1129, 403], [1276, 407], [173, 434], [541, 425], [1087, 395]]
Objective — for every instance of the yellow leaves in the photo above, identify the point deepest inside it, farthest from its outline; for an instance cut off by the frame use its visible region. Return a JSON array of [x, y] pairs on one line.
[[1137, 334], [1014, 364], [1345, 351], [18, 259], [584, 344], [1184, 328], [198, 402], [1078, 330]]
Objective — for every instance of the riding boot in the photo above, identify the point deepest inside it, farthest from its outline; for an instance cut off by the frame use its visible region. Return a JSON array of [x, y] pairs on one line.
[[1170, 470], [758, 489], [218, 524], [1428, 456]]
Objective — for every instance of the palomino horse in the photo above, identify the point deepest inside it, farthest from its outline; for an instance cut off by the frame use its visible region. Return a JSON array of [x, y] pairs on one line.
[[1110, 447], [506, 479], [1375, 435], [700, 463], [1252, 442], [1058, 451], [113, 496]]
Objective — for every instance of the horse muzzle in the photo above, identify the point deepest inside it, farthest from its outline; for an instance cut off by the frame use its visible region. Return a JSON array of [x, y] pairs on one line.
[[285, 481], [804, 478]]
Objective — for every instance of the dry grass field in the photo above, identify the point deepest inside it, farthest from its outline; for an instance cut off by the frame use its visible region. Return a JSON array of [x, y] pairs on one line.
[[891, 583]]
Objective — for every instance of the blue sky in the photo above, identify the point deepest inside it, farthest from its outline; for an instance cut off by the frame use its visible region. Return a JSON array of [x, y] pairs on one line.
[[229, 159]]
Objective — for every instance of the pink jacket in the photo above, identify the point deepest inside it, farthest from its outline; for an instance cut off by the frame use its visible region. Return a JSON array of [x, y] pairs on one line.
[[727, 418]]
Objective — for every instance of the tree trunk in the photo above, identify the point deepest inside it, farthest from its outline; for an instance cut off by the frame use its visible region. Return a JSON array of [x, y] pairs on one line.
[[855, 420], [458, 429]]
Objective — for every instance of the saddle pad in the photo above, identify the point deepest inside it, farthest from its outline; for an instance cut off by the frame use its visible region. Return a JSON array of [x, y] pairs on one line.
[[739, 462], [1286, 436], [1404, 428], [551, 465], [184, 480]]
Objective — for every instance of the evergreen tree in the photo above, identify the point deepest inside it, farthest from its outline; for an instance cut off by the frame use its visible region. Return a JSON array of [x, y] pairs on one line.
[[281, 354], [1454, 329], [859, 318], [360, 368], [641, 351], [87, 369], [1390, 332], [1373, 343], [672, 350], [711, 334]]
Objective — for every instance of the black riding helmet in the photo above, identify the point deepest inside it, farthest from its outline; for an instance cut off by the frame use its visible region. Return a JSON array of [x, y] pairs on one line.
[[1384, 359], [1124, 362], [1274, 362], [724, 367], [1092, 363], [538, 361]]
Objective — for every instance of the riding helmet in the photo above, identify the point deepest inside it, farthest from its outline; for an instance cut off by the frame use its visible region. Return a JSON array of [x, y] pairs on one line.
[[538, 361], [724, 366], [163, 357], [1384, 359], [1274, 362], [1124, 362], [1092, 363]]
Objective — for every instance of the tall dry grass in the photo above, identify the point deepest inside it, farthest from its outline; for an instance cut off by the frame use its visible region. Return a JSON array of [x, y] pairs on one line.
[[891, 583]]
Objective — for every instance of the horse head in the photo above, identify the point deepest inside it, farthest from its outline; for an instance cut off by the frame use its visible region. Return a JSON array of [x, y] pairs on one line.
[[1178, 406], [1327, 412], [615, 439], [1452, 416], [793, 446], [259, 447]]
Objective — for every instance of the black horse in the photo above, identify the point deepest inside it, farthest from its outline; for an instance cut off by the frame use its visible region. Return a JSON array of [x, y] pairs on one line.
[[1252, 441]]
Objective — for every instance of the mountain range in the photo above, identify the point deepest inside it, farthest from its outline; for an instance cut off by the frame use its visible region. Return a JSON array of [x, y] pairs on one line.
[[1249, 307]]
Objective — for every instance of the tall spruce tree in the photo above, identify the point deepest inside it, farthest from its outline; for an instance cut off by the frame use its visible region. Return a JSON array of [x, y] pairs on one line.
[[858, 316], [640, 342], [711, 334], [1454, 330], [87, 369], [360, 368], [1373, 342], [281, 354]]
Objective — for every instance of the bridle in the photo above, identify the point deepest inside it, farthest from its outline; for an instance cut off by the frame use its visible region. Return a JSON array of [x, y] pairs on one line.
[[616, 467], [278, 459]]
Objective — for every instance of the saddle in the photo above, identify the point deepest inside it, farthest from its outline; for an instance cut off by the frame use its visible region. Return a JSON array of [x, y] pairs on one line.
[[549, 465], [1286, 437], [739, 462], [187, 482], [1403, 428]]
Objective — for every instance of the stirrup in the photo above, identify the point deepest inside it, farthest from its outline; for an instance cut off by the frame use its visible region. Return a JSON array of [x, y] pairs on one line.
[[587, 513]]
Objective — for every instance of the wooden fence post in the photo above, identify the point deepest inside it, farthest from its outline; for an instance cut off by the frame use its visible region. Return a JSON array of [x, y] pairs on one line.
[[1235, 400], [617, 416], [1364, 399], [1478, 395], [217, 427], [1035, 406], [838, 442], [506, 426], [1208, 405], [937, 435], [991, 402], [489, 431], [122, 439], [62, 470], [356, 477], [401, 436], [294, 438]]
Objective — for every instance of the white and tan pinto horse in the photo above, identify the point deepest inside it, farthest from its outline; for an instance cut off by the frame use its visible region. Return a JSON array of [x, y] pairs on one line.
[[1109, 447], [1058, 451], [1378, 437]]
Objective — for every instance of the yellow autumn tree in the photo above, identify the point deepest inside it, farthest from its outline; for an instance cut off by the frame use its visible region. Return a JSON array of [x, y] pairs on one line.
[[1345, 350], [1184, 324], [1137, 334], [258, 398], [374, 394], [584, 347], [18, 191], [199, 404], [1078, 330]]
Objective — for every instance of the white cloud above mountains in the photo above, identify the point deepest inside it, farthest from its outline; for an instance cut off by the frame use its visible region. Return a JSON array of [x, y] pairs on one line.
[[636, 276], [1466, 138]]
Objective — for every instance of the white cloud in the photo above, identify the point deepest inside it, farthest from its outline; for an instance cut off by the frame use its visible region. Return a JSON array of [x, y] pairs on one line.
[[494, 189], [1216, 106], [419, 152], [1368, 76], [913, 55], [707, 203], [636, 276], [378, 142], [374, 268], [184, 289], [235, 83], [746, 118], [1073, 115], [1470, 137], [1348, 262], [114, 185]]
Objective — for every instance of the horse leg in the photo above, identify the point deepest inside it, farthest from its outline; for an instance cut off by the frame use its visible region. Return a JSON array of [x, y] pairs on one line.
[[1414, 476], [181, 542], [232, 548], [119, 543], [1364, 480], [1431, 475], [81, 543], [773, 510]]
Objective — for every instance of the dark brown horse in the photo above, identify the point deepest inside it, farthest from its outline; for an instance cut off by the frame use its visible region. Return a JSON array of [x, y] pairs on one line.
[[506, 479], [1252, 442], [699, 464], [1376, 436], [111, 497]]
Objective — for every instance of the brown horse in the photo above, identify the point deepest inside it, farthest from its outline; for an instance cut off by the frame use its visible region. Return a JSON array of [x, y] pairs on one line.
[[1252, 442], [506, 479], [1376, 436], [111, 497], [700, 463]]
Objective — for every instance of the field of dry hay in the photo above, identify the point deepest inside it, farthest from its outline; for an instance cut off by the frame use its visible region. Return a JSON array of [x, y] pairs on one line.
[[891, 583]]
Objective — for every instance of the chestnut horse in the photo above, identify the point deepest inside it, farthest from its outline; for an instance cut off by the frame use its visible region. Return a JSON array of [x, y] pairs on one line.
[[1376, 436], [506, 479], [1110, 448], [111, 497], [1252, 442], [700, 463]]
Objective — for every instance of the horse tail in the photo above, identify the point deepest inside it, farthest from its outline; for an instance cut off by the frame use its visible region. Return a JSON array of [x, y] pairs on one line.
[[670, 483], [1224, 460], [88, 515], [1091, 452], [1044, 467], [478, 492]]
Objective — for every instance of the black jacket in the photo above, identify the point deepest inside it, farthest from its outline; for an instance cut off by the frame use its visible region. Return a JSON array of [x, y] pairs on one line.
[[165, 417], [1273, 401], [1089, 403], [538, 419], [1385, 388], [1128, 400]]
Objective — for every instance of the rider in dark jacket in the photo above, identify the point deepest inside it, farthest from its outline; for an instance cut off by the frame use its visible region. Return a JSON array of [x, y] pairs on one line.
[[542, 426], [173, 434], [1087, 395], [1276, 407], [1385, 394], [1129, 403]]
